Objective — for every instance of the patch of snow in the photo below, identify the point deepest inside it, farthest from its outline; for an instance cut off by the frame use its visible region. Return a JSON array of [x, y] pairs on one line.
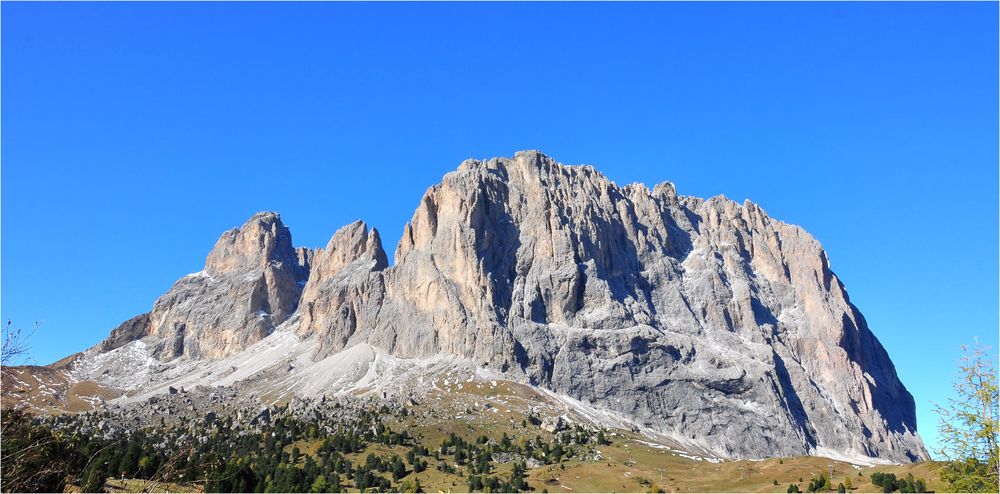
[[680, 453], [854, 459]]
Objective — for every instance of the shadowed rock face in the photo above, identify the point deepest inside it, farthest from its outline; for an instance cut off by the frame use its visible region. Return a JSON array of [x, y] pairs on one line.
[[130, 330], [703, 319]]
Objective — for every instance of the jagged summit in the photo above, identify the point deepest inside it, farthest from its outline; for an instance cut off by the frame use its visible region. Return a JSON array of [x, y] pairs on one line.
[[356, 242], [705, 321], [345, 287], [250, 284], [262, 239]]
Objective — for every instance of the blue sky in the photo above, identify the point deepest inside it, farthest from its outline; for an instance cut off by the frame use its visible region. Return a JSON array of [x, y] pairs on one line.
[[134, 134]]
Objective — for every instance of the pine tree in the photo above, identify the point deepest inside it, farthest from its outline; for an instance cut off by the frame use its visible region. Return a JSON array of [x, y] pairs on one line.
[[319, 484], [398, 468], [517, 482]]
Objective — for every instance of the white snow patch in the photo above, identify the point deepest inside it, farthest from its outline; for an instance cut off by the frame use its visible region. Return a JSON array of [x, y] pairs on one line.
[[854, 459]]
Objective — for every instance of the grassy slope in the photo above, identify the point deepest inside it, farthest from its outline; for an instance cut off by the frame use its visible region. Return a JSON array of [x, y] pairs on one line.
[[627, 465], [471, 409], [630, 466]]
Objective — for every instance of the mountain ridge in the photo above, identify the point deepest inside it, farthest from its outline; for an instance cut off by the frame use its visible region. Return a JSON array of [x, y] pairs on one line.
[[701, 319]]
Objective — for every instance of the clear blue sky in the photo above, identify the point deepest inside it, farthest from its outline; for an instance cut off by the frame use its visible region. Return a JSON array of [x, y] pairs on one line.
[[134, 134]]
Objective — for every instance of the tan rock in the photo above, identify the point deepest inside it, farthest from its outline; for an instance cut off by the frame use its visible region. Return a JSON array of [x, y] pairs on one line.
[[249, 286], [705, 320]]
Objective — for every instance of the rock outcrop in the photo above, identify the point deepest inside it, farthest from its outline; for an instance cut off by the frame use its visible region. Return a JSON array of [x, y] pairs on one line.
[[251, 283], [130, 330], [705, 320], [345, 287]]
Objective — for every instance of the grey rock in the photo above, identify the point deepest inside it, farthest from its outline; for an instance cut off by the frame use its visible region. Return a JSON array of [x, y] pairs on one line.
[[262, 417], [130, 330], [345, 287], [704, 320], [250, 284], [553, 424], [503, 457]]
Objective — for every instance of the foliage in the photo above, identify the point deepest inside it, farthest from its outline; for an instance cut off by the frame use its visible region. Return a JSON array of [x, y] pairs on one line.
[[33, 458], [223, 456], [889, 483], [815, 485], [968, 426]]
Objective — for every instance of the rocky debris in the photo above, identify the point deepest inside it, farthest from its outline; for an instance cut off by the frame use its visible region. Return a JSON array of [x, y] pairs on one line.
[[504, 457], [198, 412], [554, 424], [262, 417]]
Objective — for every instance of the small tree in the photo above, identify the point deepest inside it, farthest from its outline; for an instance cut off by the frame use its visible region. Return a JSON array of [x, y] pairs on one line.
[[14, 350], [319, 484], [398, 468], [968, 426]]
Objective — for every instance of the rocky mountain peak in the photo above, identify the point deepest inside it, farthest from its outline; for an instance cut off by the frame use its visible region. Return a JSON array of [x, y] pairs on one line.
[[345, 287], [665, 189], [354, 242], [251, 283], [704, 320], [262, 239]]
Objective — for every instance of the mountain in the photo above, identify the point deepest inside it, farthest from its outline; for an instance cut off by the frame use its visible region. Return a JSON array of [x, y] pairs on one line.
[[704, 323]]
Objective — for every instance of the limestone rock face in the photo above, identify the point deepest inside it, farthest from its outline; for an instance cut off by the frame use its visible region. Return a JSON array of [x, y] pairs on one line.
[[705, 320], [249, 286], [130, 330], [345, 287]]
